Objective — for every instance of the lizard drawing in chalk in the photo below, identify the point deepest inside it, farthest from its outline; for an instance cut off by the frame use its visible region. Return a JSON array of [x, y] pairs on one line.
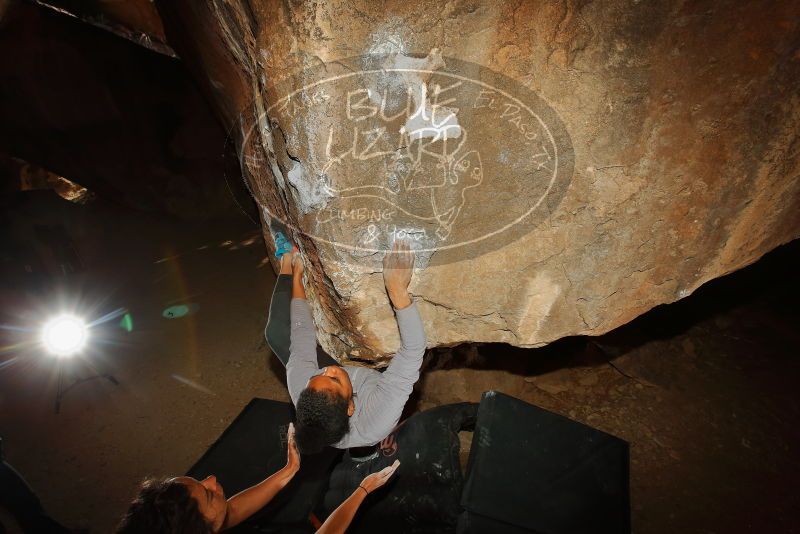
[[426, 171]]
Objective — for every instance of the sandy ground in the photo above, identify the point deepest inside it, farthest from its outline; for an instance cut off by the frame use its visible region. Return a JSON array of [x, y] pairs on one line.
[[704, 391]]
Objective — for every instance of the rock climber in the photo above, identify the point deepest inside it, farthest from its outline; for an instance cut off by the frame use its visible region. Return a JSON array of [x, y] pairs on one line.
[[342, 406]]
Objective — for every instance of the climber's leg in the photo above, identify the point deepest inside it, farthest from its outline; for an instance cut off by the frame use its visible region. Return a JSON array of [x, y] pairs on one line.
[[278, 322]]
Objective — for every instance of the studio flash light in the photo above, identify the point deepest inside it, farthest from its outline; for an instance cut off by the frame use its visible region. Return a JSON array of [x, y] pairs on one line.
[[65, 335]]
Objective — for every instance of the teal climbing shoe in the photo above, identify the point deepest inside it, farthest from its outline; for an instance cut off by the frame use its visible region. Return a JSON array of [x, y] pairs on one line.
[[282, 245]]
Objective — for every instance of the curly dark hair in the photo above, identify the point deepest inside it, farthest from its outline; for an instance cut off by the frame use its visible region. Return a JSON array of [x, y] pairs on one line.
[[321, 420], [163, 506]]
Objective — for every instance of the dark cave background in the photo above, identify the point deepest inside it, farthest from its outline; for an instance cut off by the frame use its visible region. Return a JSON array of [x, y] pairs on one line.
[[117, 118]]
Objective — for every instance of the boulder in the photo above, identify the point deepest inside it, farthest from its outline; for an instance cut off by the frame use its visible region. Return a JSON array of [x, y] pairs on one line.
[[561, 167]]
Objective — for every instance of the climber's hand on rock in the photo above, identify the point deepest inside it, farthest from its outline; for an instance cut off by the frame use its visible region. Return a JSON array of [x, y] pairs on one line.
[[398, 265]]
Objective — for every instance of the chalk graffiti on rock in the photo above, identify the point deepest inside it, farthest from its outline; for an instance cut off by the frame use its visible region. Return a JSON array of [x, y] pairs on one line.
[[450, 155]]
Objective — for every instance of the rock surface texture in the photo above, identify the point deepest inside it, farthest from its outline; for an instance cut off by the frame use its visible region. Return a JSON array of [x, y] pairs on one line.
[[561, 166]]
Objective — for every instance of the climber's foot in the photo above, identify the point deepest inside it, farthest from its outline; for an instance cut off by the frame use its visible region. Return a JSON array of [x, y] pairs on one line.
[[287, 260], [297, 263], [282, 244]]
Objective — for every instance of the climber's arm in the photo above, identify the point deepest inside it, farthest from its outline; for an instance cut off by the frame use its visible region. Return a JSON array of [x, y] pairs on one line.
[[384, 404]]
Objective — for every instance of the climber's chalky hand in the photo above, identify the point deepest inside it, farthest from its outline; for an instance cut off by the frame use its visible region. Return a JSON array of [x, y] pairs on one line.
[[398, 266]]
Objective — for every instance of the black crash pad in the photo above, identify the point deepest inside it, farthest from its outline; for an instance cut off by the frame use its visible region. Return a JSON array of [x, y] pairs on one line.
[[531, 470], [423, 495]]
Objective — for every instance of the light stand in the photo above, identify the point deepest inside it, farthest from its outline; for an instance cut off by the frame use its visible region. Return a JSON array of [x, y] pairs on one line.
[[62, 389], [65, 336]]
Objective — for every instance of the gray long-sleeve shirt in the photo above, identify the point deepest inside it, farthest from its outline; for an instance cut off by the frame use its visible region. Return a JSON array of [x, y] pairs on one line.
[[379, 398]]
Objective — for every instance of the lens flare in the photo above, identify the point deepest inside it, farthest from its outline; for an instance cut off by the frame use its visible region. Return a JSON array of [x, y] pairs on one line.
[[64, 335]]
